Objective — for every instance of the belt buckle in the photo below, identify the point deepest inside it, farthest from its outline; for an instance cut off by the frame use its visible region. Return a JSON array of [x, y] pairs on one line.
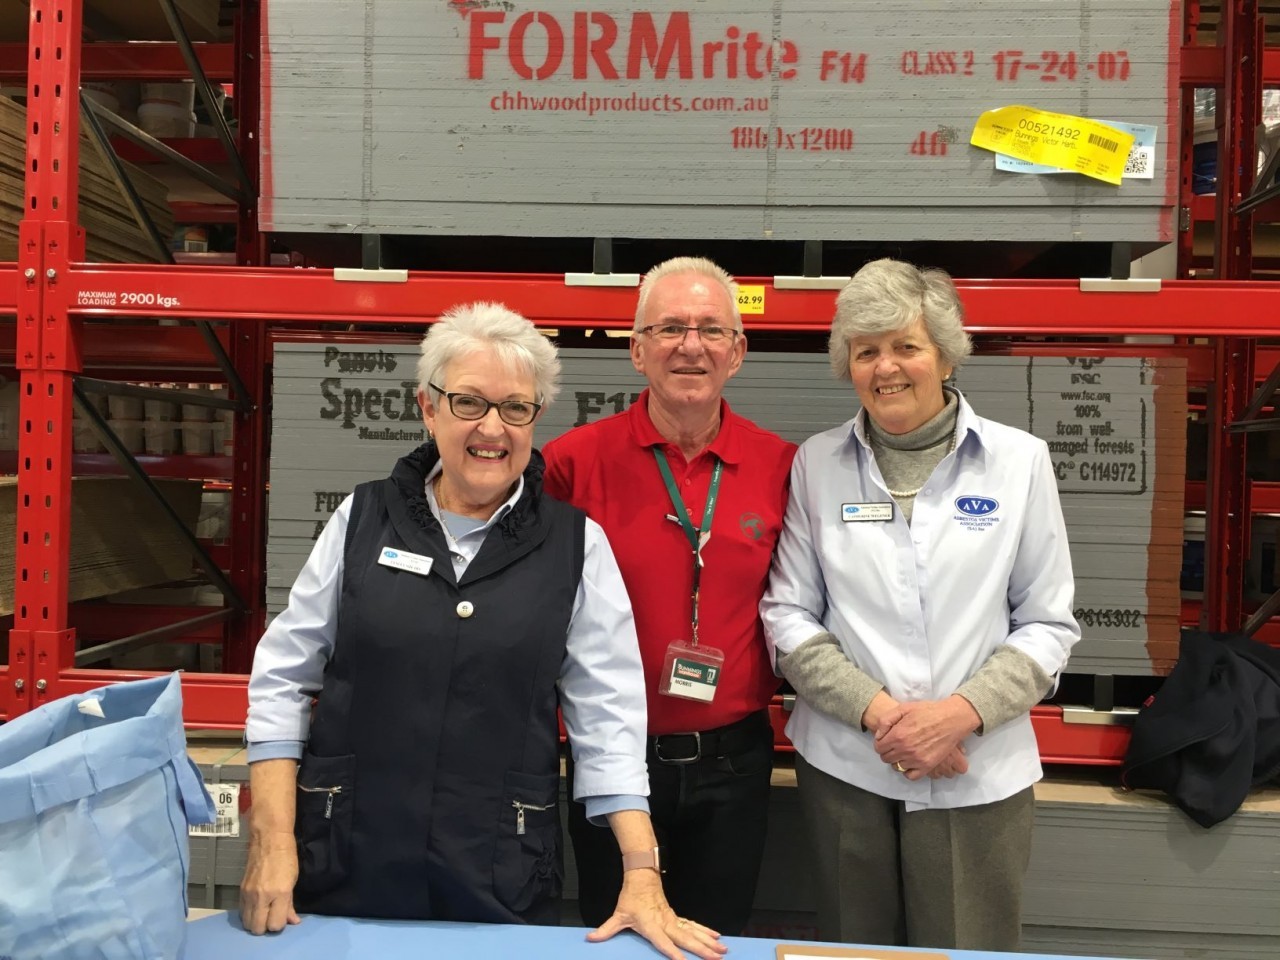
[[697, 749]]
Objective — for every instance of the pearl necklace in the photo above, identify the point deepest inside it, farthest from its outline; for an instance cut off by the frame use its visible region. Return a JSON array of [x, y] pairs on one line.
[[441, 508], [907, 494]]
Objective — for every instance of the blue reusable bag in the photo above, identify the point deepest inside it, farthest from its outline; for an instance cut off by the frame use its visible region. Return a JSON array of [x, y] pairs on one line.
[[96, 794]]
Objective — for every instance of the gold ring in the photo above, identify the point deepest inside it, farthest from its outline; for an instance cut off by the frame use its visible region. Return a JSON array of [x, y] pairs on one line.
[[681, 922], [899, 767]]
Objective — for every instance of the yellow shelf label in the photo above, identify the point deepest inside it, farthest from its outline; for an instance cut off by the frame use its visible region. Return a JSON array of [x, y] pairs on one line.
[[751, 299], [1057, 139]]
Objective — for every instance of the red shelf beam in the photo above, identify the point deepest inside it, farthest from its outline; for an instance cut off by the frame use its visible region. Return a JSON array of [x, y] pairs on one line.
[[203, 150], [1193, 308], [180, 466], [139, 61], [1262, 497], [1047, 307], [101, 622], [1087, 744], [186, 211], [1204, 209], [1205, 66], [1080, 744]]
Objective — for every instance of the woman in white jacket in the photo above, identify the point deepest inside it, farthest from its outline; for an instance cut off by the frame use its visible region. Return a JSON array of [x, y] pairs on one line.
[[920, 604]]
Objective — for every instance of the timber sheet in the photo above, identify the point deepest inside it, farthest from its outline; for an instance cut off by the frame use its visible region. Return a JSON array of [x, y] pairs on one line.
[[795, 119]]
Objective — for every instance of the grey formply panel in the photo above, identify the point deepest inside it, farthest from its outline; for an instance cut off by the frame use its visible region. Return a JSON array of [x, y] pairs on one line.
[[343, 413], [797, 119]]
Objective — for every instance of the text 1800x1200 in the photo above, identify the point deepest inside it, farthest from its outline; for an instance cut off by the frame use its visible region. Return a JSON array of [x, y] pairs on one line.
[[812, 139]]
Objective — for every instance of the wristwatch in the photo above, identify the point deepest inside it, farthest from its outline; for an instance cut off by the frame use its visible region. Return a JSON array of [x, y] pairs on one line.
[[642, 859]]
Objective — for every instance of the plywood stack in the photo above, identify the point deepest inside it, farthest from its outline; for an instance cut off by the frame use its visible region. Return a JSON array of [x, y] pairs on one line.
[[795, 120], [1116, 430], [120, 539], [113, 235], [1129, 875]]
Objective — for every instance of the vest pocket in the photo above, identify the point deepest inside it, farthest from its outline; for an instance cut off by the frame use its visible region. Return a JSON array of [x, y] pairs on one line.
[[528, 869], [325, 808]]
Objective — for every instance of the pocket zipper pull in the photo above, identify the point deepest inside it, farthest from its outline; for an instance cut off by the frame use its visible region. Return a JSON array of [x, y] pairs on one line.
[[328, 806], [519, 817]]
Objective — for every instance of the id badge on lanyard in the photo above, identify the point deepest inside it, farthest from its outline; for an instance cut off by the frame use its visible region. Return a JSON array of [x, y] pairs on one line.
[[691, 671]]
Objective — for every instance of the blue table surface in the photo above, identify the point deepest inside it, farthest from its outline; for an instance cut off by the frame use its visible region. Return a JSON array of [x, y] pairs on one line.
[[220, 937]]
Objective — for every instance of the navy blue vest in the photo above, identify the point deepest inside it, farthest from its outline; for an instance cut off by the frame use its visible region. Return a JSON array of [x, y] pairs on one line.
[[430, 782]]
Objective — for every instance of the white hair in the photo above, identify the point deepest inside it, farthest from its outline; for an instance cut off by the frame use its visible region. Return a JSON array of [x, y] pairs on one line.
[[888, 295], [515, 341], [699, 265]]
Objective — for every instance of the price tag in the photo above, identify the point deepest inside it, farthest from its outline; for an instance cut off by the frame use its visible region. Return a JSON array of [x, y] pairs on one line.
[[226, 820], [1055, 139], [751, 299]]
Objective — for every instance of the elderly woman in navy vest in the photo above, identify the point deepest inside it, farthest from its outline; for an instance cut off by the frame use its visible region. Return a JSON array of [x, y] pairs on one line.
[[443, 615], [920, 604]]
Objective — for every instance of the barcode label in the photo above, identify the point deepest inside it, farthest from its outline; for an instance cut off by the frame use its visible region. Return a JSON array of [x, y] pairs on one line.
[[221, 827], [226, 822], [1104, 142]]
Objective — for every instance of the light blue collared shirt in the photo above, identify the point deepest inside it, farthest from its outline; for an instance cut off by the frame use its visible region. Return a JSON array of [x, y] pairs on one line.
[[601, 681], [920, 607]]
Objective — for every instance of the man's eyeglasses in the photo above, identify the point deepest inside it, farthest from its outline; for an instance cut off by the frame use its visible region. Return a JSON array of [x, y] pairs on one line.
[[466, 406], [671, 332]]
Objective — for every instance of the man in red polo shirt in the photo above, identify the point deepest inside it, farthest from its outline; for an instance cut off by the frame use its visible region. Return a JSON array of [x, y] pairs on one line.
[[691, 497]]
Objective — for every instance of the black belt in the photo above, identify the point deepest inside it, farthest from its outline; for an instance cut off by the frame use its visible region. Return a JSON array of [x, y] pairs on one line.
[[733, 738]]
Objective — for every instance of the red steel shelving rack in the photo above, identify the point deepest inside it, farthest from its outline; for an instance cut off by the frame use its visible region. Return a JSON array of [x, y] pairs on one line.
[[51, 343]]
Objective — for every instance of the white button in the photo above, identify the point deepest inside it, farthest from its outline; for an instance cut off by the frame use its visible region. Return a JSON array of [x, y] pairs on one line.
[[465, 609]]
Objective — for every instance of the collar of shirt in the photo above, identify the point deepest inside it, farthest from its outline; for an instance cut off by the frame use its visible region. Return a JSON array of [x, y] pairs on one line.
[[967, 422], [727, 445], [502, 511]]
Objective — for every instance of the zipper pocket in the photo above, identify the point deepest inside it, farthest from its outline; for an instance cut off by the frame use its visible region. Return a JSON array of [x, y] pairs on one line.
[[521, 808], [328, 803]]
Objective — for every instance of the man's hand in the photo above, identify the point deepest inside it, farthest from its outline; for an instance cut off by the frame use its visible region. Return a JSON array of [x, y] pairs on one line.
[[643, 907], [266, 893], [918, 737]]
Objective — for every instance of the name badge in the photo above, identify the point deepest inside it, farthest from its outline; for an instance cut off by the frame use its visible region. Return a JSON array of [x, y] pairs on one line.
[[404, 560], [866, 512], [691, 672]]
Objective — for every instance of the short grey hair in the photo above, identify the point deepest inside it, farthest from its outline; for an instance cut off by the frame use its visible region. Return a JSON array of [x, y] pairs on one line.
[[515, 341], [699, 265], [887, 295]]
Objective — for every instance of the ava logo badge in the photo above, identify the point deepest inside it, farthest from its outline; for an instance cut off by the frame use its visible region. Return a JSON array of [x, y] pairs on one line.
[[977, 506], [977, 513]]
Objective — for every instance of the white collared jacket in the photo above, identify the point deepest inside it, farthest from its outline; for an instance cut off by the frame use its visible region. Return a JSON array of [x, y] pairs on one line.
[[920, 608]]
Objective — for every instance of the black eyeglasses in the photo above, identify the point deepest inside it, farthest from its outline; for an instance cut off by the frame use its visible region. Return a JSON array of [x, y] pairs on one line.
[[467, 406], [678, 331]]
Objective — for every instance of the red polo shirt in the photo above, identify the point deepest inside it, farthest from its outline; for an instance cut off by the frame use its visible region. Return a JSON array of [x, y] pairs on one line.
[[607, 469]]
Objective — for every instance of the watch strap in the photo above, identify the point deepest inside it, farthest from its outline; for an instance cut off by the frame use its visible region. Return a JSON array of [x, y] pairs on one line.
[[642, 859]]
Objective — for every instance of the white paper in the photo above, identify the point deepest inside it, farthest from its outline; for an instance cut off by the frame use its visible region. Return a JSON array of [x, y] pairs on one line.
[[1140, 165], [226, 820]]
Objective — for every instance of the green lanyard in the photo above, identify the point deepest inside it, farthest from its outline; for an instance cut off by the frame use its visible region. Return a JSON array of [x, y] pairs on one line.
[[697, 538]]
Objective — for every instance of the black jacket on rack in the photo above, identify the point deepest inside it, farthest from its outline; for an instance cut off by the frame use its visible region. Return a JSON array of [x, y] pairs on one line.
[[1213, 730]]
